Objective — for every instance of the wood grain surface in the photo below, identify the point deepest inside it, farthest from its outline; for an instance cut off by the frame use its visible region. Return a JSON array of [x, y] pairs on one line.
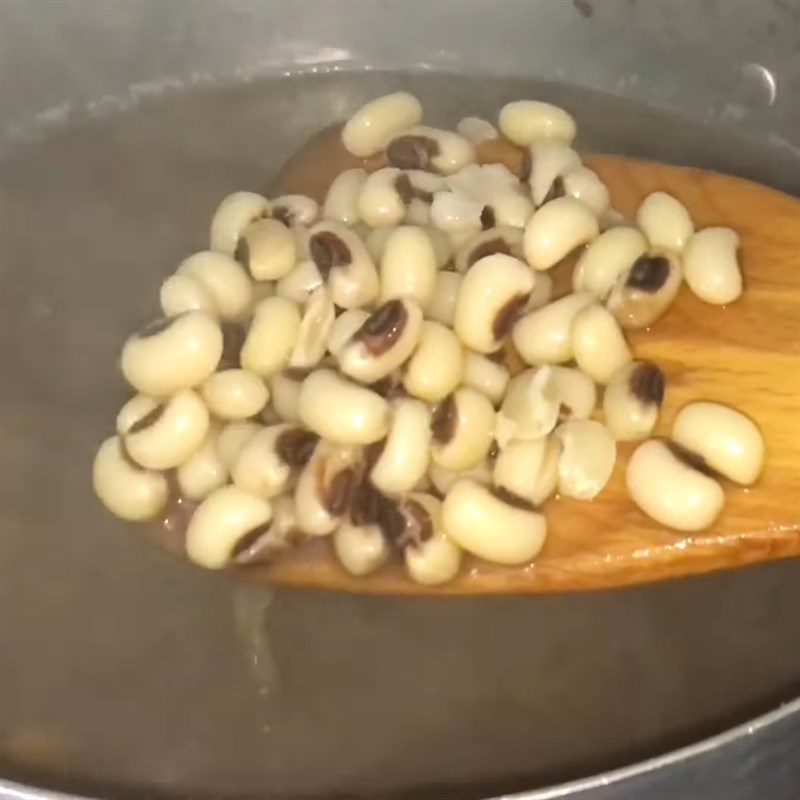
[[746, 355]]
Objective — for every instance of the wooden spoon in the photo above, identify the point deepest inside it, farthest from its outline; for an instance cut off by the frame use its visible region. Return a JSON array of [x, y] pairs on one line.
[[746, 355]]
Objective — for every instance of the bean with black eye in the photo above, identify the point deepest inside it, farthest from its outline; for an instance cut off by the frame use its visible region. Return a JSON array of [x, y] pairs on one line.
[[632, 400], [224, 279], [463, 428], [232, 216]]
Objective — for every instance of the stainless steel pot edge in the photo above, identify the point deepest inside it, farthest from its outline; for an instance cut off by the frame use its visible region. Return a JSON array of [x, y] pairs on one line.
[[743, 733]]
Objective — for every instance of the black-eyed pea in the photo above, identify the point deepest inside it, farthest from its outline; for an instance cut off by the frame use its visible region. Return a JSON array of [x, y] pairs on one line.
[[344, 328], [404, 456], [224, 279], [505, 202], [203, 472], [598, 343], [542, 336], [575, 392], [235, 394], [645, 292], [442, 306], [430, 149], [345, 265], [361, 549], [458, 215], [326, 487], [492, 524], [225, 524], [476, 129], [665, 222], [442, 479], [342, 411], [462, 428], [269, 460], [528, 468], [728, 441], [125, 489], [485, 375], [587, 458], [267, 249], [584, 184], [408, 266], [665, 482], [315, 327], [172, 354], [431, 557], [526, 121], [492, 295], [502, 239], [180, 293], [711, 267], [232, 216], [232, 438], [376, 239], [611, 254], [530, 408], [556, 229], [632, 401], [295, 209], [551, 160], [380, 202], [416, 189], [279, 536], [542, 292], [271, 337], [166, 435], [341, 201], [285, 393], [298, 285], [371, 128], [436, 366], [384, 342]]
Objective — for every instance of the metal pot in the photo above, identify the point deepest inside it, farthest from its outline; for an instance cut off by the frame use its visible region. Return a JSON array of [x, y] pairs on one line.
[[126, 674]]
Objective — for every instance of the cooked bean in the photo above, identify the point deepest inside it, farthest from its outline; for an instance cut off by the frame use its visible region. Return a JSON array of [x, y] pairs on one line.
[[584, 184], [442, 306], [344, 328], [180, 293], [271, 337], [277, 537], [551, 160], [437, 364], [126, 490], [371, 128], [341, 201], [285, 393], [204, 471], [587, 458], [298, 284], [235, 394], [556, 229], [485, 375], [598, 344], [443, 479], [432, 559], [232, 216], [326, 486], [710, 265], [645, 292], [267, 249], [575, 392], [223, 278], [504, 239], [315, 327], [462, 426], [343, 261], [361, 549], [295, 209], [416, 189], [408, 266], [232, 438], [504, 202], [611, 254], [670, 489], [341, 411], [492, 294], [404, 457], [632, 400], [224, 524], [526, 121], [384, 342], [172, 354], [476, 130], [727, 440], [665, 221], [530, 408], [431, 149], [379, 201], [491, 527], [542, 336], [528, 468], [457, 213]]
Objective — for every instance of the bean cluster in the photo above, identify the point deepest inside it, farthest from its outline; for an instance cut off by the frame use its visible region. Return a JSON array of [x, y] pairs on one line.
[[342, 370]]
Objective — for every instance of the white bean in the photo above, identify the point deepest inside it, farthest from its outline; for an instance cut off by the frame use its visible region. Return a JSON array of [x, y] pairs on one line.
[[670, 490], [550, 161], [361, 549], [267, 248], [433, 149], [525, 121], [556, 229], [204, 471], [492, 527], [126, 490], [235, 394], [598, 344], [341, 201], [584, 184], [295, 209], [485, 375], [612, 253], [501, 239], [727, 440], [232, 216], [442, 306], [529, 468], [587, 458], [443, 479], [575, 392], [344, 328], [271, 337], [379, 201], [370, 129], [285, 393], [408, 266], [530, 408], [223, 278], [477, 130], [711, 267], [434, 558], [180, 293], [504, 201], [298, 284], [665, 221], [632, 400], [232, 438], [462, 426], [437, 365], [315, 327]]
